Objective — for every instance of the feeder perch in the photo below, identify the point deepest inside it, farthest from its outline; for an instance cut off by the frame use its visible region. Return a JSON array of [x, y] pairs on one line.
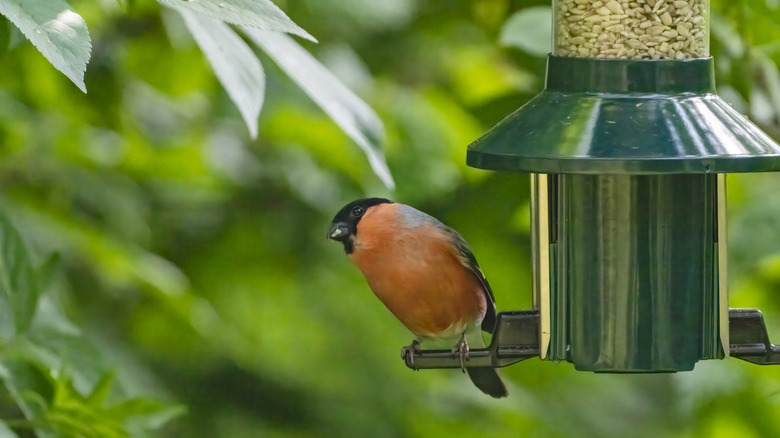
[[628, 147]]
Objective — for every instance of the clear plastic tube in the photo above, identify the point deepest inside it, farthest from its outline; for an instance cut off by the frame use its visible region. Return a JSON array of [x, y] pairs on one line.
[[631, 29]]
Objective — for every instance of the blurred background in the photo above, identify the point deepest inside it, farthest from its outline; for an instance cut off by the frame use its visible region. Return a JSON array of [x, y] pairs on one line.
[[191, 260]]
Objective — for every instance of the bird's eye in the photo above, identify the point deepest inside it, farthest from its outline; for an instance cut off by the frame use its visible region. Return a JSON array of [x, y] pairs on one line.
[[358, 211]]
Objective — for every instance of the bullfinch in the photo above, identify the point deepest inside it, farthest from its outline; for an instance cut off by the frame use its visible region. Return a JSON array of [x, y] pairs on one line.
[[425, 274]]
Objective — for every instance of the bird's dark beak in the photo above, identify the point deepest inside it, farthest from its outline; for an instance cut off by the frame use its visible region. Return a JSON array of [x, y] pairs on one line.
[[338, 231]]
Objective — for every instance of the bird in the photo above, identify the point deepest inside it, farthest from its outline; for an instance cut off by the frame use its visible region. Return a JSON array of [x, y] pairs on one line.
[[425, 274]]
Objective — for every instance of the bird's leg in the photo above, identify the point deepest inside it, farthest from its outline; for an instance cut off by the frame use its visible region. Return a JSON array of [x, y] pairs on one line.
[[461, 351], [410, 350]]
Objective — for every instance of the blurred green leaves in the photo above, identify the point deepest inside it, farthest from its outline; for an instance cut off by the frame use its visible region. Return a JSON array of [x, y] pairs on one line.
[[19, 287], [529, 29], [53, 406], [38, 377]]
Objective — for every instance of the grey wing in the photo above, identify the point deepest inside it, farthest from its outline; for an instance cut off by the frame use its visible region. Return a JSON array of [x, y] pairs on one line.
[[468, 260]]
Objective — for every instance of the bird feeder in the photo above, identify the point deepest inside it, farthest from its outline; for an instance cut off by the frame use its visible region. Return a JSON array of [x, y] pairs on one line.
[[628, 147]]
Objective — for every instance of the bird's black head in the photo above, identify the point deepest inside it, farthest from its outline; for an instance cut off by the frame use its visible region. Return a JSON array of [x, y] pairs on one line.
[[343, 228]]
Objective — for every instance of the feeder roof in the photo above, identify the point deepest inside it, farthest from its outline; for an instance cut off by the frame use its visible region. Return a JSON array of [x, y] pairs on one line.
[[599, 116]]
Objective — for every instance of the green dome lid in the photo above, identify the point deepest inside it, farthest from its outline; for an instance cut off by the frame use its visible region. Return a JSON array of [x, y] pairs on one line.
[[601, 116]]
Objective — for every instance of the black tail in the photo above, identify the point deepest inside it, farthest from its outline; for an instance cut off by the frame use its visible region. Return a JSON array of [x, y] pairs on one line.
[[488, 381]]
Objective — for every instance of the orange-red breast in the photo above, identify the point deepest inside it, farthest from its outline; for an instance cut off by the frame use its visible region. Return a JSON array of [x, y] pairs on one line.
[[426, 275]]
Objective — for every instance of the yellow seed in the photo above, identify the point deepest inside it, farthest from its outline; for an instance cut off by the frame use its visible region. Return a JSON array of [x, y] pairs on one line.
[[615, 7], [670, 33], [655, 30], [635, 44]]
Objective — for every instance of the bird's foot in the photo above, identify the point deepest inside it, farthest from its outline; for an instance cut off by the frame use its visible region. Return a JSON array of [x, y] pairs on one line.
[[409, 351], [461, 351]]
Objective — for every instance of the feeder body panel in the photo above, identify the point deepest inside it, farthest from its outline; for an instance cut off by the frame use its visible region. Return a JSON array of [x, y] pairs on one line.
[[634, 271]]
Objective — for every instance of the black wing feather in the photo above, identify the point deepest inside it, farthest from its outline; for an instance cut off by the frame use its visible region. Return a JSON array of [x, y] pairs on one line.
[[468, 260]]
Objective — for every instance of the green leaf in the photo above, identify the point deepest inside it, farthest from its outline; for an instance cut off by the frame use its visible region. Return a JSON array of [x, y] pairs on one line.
[[48, 270], [138, 406], [72, 414], [234, 63], [59, 34], [530, 30], [29, 384], [7, 322], [146, 413], [100, 392], [5, 35], [770, 77], [353, 115], [50, 322], [19, 287], [156, 419], [727, 35], [6, 432], [260, 14]]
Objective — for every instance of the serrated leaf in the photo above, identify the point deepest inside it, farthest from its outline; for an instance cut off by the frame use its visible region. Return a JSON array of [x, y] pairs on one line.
[[530, 30], [234, 63], [352, 115], [260, 14], [59, 34], [19, 287]]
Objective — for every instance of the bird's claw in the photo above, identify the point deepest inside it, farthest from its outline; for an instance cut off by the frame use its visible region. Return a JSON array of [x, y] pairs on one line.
[[409, 352], [461, 351]]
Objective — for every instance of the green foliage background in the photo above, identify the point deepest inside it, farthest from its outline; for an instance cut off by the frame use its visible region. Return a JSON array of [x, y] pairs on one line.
[[192, 257]]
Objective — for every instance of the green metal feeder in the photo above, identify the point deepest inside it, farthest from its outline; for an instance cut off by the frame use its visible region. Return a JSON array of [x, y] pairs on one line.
[[627, 146]]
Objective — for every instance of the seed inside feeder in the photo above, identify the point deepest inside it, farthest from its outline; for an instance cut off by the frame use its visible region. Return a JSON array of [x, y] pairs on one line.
[[631, 29]]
